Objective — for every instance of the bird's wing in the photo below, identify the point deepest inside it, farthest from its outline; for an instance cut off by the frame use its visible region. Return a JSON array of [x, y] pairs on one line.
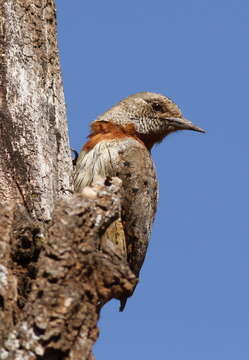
[[139, 200]]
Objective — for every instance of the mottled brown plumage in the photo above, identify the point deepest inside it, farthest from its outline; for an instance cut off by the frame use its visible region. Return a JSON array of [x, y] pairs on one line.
[[119, 145]]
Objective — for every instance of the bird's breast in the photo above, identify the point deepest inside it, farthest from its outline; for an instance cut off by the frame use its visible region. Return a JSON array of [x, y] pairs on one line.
[[129, 160]]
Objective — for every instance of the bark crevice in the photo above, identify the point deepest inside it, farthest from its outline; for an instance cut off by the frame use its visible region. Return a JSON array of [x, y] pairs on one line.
[[64, 284]]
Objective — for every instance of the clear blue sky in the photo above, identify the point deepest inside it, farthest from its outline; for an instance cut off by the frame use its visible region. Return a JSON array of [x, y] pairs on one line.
[[192, 300]]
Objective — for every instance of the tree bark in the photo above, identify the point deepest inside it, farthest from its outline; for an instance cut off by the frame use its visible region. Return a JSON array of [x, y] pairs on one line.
[[56, 272], [35, 156]]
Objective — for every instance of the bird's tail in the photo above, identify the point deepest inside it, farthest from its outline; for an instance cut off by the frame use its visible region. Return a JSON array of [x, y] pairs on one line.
[[124, 299], [122, 304]]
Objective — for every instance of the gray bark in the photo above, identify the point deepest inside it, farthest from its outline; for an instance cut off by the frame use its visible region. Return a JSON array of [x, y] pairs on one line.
[[35, 161], [56, 268]]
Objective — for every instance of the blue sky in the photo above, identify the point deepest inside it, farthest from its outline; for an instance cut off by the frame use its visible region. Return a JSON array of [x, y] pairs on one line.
[[192, 300]]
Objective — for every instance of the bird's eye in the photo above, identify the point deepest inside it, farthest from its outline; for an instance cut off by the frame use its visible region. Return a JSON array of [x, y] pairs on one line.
[[157, 107]]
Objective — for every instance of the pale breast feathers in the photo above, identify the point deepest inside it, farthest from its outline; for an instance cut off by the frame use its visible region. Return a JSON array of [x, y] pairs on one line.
[[98, 161]]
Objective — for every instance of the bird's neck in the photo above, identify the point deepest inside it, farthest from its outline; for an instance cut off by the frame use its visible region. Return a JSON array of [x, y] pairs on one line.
[[106, 130]]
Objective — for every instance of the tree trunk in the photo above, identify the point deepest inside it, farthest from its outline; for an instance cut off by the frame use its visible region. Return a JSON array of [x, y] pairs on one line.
[[55, 271]]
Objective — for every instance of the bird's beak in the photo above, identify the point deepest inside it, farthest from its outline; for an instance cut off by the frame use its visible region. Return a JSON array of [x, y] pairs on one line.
[[183, 124]]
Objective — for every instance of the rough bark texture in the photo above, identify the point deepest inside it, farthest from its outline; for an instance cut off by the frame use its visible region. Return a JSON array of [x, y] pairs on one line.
[[34, 153], [52, 311], [56, 268]]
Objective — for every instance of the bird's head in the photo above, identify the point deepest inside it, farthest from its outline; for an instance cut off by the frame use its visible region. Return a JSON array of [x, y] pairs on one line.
[[153, 115]]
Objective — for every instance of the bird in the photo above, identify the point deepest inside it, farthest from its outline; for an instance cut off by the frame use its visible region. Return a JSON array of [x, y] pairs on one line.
[[119, 145]]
